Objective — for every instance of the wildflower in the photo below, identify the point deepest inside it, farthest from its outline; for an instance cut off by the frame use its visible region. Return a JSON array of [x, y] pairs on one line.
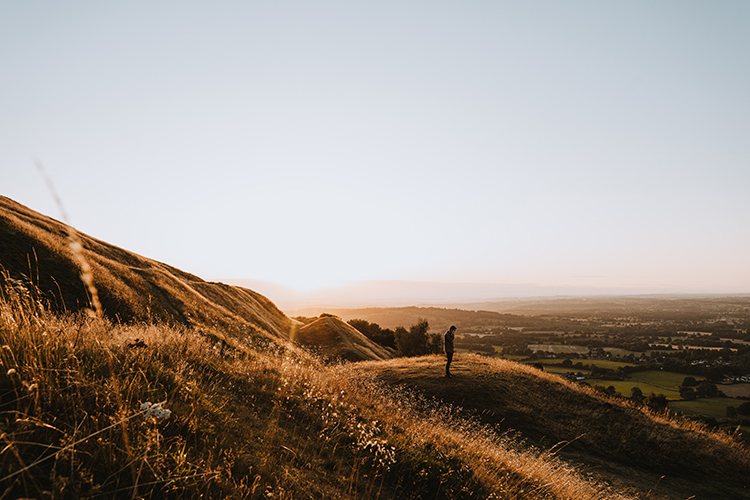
[[155, 410]]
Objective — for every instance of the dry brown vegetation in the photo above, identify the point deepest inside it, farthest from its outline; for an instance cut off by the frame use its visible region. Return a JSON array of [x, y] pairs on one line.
[[249, 418], [187, 389], [630, 446], [36, 249], [338, 340]]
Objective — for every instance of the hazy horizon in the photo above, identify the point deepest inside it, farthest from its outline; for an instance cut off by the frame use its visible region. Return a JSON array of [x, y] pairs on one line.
[[543, 145], [396, 293]]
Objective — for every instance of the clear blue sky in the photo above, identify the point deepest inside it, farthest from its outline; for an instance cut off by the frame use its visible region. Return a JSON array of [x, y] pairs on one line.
[[578, 143]]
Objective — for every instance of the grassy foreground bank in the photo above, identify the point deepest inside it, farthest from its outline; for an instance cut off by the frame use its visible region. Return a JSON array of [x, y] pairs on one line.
[[93, 409]]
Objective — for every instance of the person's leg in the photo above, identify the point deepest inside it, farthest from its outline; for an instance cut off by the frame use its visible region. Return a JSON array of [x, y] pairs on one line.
[[449, 356]]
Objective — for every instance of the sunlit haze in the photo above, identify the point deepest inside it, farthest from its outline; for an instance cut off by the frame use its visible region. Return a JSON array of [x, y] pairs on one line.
[[529, 146]]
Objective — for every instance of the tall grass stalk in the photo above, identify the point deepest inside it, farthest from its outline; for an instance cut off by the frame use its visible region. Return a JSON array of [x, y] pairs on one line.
[[74, 245]]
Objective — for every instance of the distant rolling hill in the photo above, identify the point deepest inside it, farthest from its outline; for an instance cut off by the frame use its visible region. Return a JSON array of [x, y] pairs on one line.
[[36, 250]]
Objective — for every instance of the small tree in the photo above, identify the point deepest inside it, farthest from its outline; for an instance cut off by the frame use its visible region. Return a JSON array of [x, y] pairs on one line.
[[374, 332], [403, 344], [689, 382], [636, 395], [435, 344], [657, 402], [744, 409], [688, 393], [706, 390], [714, 374], [417, 341]]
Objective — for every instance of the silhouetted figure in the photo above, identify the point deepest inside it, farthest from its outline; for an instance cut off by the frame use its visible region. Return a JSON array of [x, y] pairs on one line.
[[449, 336]]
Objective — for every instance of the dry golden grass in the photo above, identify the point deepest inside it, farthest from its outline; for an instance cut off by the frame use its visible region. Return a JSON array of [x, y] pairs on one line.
[[629, 446], [201, 394], [339, 340], [37, 249], [249, 417]]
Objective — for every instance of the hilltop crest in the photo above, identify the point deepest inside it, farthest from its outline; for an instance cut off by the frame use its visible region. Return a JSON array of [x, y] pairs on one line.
[[340, 340], [35, 249]]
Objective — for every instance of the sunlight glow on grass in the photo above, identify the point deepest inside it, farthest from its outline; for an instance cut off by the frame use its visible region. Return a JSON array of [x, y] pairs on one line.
[[239, 416]]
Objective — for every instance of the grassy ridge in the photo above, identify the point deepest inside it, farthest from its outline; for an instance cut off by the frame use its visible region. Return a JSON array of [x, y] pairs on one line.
[[36, 249], [339, 340], [596, 430], [249, 417], [241, 412]]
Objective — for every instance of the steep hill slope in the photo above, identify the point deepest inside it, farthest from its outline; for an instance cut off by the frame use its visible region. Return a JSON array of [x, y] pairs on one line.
[[36, 250], [630, 447]]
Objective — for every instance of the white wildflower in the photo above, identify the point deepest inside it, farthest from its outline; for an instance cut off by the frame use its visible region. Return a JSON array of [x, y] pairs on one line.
[[155, 410]]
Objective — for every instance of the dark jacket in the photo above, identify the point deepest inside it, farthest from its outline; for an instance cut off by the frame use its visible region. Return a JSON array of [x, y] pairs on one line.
[[449, 336]]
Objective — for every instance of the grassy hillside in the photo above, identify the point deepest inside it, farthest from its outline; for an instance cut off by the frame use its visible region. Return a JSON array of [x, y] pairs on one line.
[[237, 417], [338, 340], [46, 254], [630, 447], [173, 387]]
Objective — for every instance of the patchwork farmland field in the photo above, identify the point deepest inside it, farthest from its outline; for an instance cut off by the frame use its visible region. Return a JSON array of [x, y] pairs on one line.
[[709, 407], [559, 349], [661, 379], [736, 390]]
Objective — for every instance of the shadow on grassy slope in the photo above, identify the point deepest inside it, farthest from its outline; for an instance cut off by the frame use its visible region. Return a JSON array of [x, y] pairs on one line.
[[251, 416], [586, 427]]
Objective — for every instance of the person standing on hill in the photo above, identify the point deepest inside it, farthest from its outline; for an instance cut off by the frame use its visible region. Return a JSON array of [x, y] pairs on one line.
[[449, 336]]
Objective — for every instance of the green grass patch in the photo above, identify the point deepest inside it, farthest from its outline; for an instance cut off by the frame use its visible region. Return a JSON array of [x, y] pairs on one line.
[[562, 370], [708, 407], [656, 381], [559, 349], [662, 379], [611, 365], [624, 387]]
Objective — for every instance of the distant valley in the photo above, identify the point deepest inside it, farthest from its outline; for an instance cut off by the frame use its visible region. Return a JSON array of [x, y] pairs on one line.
[[125, 377]]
